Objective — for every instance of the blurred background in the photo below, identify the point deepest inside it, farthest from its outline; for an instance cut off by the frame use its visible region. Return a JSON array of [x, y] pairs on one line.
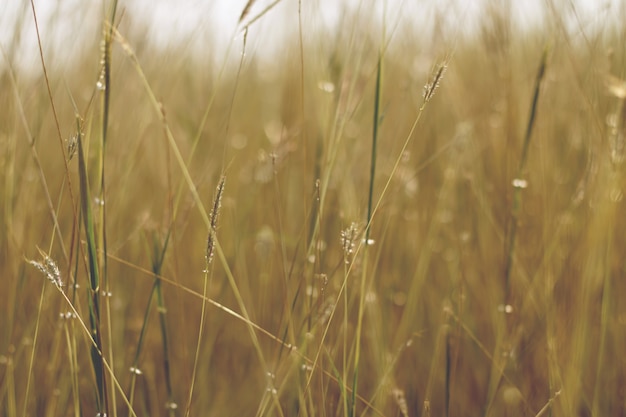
[[68, 26]]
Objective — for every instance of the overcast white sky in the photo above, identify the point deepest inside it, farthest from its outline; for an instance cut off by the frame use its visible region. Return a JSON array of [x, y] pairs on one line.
[[64, 23]]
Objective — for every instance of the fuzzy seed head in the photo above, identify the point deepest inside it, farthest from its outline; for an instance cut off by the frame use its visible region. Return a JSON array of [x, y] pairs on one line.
[[431, 87], [213, 220], [49, 268], [349, 237]]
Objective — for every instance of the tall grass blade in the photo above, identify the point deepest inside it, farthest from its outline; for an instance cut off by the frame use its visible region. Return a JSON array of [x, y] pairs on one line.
[[94, 282], [370, 196], [370, 200], [518, 183], [105, 85]]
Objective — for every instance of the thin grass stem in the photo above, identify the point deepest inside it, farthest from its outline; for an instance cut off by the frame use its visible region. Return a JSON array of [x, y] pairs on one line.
[[519, 183]]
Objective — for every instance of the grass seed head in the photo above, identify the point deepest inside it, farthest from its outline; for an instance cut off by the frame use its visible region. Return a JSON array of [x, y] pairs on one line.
[[213, 219], [431, 87], [49, 268], [349, 237]]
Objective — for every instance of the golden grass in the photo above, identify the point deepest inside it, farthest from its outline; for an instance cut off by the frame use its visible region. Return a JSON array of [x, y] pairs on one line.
[[474, 296]]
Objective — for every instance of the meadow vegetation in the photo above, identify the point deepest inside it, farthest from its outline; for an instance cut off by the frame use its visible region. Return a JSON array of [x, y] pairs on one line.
[[374, 222]]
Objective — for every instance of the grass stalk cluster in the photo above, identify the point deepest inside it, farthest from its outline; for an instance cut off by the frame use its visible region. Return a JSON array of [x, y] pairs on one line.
[[415, 224]]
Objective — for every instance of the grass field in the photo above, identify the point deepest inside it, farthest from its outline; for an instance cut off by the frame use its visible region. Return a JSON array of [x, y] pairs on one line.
[[374, 222]]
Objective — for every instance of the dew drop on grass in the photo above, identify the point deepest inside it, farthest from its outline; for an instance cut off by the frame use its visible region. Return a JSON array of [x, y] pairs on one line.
[[67, 315], [508, 309], [520, 183], [171, 405]]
